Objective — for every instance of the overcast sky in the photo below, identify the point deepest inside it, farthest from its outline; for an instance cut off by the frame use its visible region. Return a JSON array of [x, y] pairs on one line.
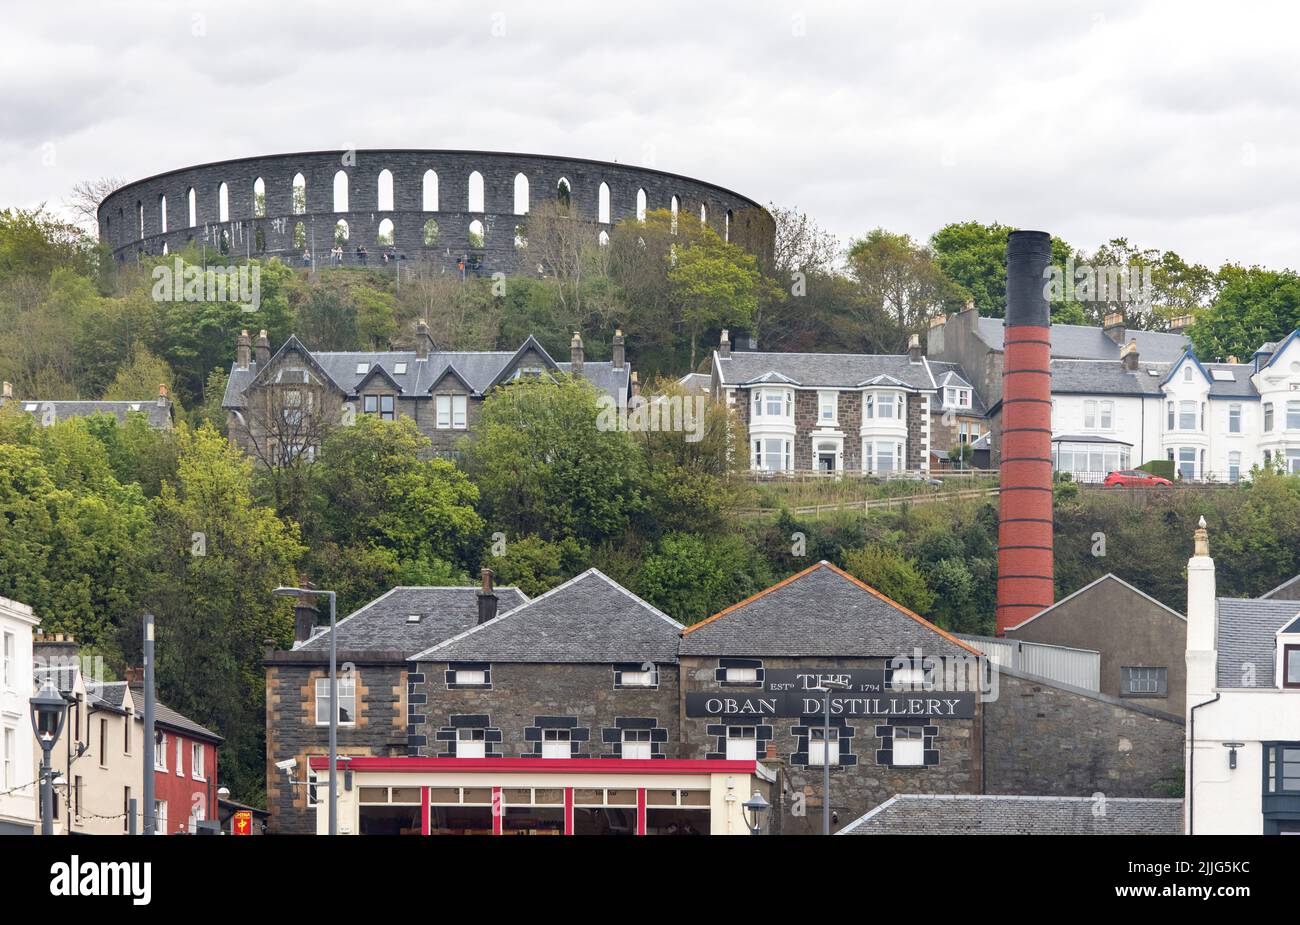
[[1173, 124]]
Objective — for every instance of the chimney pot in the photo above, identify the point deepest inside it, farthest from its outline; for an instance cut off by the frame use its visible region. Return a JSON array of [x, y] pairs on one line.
[[243, 349]]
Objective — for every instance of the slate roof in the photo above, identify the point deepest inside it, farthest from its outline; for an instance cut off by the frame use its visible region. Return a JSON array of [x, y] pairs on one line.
[[981, 814], [1245, 633], [819, 612], [1090, 343], [830, 370], [1108, 577], [1284, 590], [110, 693], [158, 415], [166, 716], [479, 369], [588, 619], [1106, 377], [1239, 387], [383, 624]]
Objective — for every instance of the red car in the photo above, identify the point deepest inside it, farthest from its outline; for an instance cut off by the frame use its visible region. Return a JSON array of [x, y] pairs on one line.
[[1130, 478]]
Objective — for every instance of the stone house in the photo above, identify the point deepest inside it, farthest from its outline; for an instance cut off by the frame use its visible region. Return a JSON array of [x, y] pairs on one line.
[[829, 412], [157, 411], [279, 406]]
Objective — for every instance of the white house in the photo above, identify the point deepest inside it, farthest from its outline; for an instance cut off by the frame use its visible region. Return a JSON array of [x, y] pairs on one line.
[[1213, 421], [1243, 709], [17, 784]]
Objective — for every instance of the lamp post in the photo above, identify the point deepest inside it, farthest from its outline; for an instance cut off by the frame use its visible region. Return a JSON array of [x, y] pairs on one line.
[[49, 711], [754, 811], [824, 687], [334, 699]]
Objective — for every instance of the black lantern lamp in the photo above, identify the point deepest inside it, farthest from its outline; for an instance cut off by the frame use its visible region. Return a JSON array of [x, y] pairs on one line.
[[755, 812], [49, 712]]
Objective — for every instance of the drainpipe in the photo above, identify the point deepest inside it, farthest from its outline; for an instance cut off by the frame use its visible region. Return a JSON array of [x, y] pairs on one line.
[[1191, 763]]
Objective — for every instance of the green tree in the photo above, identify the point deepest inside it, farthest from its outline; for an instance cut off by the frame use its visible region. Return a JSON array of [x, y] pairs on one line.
[[139, 377], [898, 280], [893, 576], [1253, 306], [217, 558], [690, 577], [544, 467], [714, 284]]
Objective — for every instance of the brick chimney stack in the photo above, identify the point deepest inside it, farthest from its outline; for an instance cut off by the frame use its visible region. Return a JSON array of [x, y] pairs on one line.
[[1113, 326], [487, 598], [1128, 355], [575, 354], [724, 346], [914, 348], [1025, 500], [262, 349], [636, 386], [305, 615], [243, 350], [162, 394], [617, 344], [423, 340]]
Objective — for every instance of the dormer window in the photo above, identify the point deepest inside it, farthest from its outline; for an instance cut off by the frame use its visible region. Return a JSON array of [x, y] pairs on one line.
[[956, 398]]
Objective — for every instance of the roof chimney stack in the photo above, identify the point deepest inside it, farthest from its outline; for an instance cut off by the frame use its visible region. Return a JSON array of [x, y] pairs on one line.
[[1025, 501], [1113, 326], [1128, 355], [162, 394], [423, 340], [1180, 324], [617, 345], [487, 598], [262, 349], [914, 348], [243, 350], [724, 346], [305, 616], [575, 354]]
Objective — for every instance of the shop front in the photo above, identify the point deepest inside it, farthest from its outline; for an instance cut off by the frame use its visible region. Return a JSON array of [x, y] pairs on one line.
[[540, 796]]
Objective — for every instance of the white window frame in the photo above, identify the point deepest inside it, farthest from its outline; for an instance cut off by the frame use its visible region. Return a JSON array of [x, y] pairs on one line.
[[471, 742], [913, 756], [828, 401], [1089, 415], [443, 419], [742, 743], [9, 743], [1234, 466], [1268, 417], [160, 754], [636, 744], [1106, 415], [817, 748], [557, 743], [197, 770], [740, 675], [160, 817], [1183, 414], [470, 676], [459, 411], [639, 678], [180, 757], [1234, 418], [10, 648], [347, 692], [1293, 415]]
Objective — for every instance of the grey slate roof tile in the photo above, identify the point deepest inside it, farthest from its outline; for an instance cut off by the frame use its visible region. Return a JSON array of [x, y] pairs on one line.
[[1245, 634], [588, 619], [383, 626], [979, 814], [478, 368], [158, 415], [1090, 343], [166, 716], [831, 370], [819, 612]]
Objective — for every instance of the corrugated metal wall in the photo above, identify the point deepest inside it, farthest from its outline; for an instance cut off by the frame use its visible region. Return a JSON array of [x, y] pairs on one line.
[[1076, 667]]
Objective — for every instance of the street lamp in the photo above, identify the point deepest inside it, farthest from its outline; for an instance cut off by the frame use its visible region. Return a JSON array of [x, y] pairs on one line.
[[334, 699], [754, 812], [49, 711], [825, 686]]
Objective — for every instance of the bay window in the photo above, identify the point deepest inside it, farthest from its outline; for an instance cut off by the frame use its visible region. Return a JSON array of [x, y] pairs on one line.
[[884, 406], [773, 454], [1293, 415], [1268, 417], [773, 403], [1187, 415], [882, 455]]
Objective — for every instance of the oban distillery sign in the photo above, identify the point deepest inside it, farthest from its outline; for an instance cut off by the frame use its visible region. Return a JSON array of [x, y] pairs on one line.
[[789, 693]]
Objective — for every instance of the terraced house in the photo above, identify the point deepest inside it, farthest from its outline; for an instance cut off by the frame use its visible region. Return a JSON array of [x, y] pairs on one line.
[[279, 406]]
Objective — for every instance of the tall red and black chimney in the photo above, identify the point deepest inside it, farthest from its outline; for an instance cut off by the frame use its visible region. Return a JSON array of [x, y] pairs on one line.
[[1025, 521]]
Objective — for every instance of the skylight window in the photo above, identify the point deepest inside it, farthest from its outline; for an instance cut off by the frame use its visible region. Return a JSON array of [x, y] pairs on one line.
[[413, 618], [31, 406], [400, 369], [1152, 372], [362, 367], [1223, 375]]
